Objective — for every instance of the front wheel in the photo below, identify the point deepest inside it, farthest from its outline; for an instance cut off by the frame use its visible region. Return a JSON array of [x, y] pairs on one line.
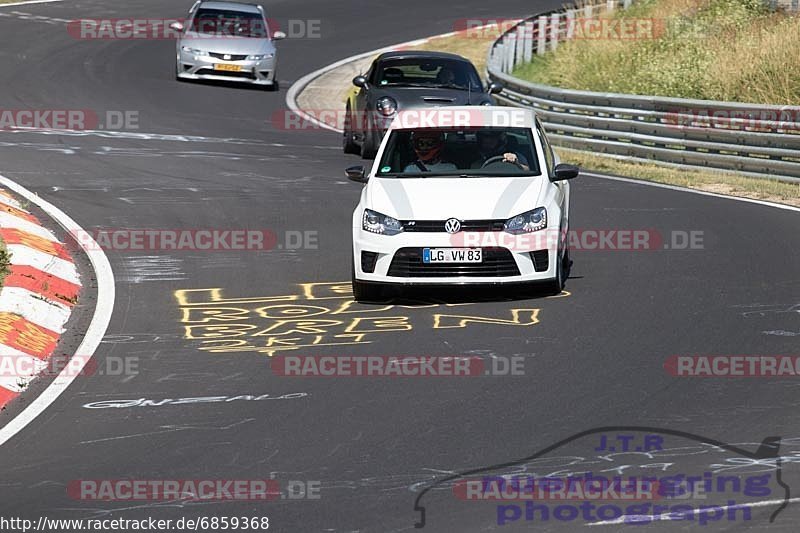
[[555, 286], [349, 145], [368, 147], [363, 291]]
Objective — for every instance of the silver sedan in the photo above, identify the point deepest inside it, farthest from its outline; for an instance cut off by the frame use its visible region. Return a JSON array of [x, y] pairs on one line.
[[227, 41]]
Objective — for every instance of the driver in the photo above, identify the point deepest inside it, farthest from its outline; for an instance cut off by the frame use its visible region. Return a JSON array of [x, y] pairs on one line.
[[494, 143], [428, 146]]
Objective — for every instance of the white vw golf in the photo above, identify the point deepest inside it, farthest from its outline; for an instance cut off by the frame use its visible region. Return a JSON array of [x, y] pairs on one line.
[[462, 195]]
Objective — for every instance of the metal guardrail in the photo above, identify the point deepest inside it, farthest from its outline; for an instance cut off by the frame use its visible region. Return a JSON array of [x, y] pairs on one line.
[[756, 139]]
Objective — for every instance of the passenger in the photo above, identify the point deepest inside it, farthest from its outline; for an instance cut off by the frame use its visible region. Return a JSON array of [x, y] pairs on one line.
[[428, 146]]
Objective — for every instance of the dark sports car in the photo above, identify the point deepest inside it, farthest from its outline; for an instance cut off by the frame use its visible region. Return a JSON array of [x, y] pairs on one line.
[[407, 80]]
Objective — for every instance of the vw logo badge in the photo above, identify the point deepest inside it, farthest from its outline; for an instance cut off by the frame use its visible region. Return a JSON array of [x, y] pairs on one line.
[[452, 225], [226, 56]]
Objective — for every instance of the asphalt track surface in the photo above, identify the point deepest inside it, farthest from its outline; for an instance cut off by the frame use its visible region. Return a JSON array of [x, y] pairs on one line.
[[595, 357]]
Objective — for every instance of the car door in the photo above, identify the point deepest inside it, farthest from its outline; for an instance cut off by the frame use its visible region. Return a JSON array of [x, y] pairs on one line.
[[551, 161]]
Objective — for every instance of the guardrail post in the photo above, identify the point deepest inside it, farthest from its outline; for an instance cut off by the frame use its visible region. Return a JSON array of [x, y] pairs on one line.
[[509, 53], [610, 5], [588, 11], [626, 4], [519, 44], [570, 24], [555, 21], [497, 56], [527, 43], [541, 35]]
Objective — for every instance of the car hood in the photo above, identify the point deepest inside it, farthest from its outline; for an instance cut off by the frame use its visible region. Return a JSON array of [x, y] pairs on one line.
[[228, 45], [462, 198], [414, 97]]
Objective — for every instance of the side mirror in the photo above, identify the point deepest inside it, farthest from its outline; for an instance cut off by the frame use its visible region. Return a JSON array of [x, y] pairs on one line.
[[360, 81], [357, 174], [495, 88], [177, 26], [564, 171], [278, 35]]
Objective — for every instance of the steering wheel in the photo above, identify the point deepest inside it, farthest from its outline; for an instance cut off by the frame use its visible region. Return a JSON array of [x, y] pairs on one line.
[[501, 159]]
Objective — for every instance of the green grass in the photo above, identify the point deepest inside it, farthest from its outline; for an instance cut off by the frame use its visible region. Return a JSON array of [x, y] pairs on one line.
[[731, 50], [708, 180], [5, 262]]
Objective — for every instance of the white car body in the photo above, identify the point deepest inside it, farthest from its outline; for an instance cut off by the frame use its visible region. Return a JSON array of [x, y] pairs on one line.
[[413, 200]]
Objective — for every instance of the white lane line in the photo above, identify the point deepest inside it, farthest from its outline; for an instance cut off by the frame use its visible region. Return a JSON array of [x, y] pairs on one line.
[[632, 519], [695, 191], [25, 2], [97, 327]]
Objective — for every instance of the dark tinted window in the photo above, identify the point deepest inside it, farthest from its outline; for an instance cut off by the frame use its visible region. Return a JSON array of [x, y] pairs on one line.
[[427, 72], [233, 23]]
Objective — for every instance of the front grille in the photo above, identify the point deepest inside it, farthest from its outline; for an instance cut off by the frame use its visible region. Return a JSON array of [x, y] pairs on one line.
[[231, 58], [497, 262], [368, 260], [541, 260], [437, 226], [227, 73]]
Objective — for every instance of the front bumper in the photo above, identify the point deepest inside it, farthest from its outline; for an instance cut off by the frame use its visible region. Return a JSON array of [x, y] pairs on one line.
[[194, 67], [398, 260]]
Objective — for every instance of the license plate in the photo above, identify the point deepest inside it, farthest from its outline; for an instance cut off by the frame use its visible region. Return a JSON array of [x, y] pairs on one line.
[[451, 255], [230, 68]]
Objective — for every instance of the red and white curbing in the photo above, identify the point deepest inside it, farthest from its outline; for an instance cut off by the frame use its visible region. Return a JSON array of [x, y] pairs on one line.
[[37, 297]]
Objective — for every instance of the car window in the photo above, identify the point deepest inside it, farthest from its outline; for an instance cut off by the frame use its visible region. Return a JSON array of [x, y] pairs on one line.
[[549, 157], [428, 72], [226, 22], [475, 152]]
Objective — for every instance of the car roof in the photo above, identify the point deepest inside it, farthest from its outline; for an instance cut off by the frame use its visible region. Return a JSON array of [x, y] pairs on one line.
[[398, 54], [232, 6], [476, 116]]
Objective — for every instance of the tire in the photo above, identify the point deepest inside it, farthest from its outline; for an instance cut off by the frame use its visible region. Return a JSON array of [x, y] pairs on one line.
[[555, 286], [349, 145], [368, 148], [362, 291]]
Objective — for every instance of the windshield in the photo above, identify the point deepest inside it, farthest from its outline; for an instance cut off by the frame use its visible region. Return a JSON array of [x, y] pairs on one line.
[[231, 23], [427, 72], [478, 152]]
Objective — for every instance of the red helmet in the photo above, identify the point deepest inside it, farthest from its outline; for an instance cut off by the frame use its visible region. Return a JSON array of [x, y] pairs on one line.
[[427, 144]]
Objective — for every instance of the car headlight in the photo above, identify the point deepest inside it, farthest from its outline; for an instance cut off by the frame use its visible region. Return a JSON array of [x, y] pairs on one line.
[[379, 223], [386, 105], [195, 51], [527, 222], [259, 57]]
